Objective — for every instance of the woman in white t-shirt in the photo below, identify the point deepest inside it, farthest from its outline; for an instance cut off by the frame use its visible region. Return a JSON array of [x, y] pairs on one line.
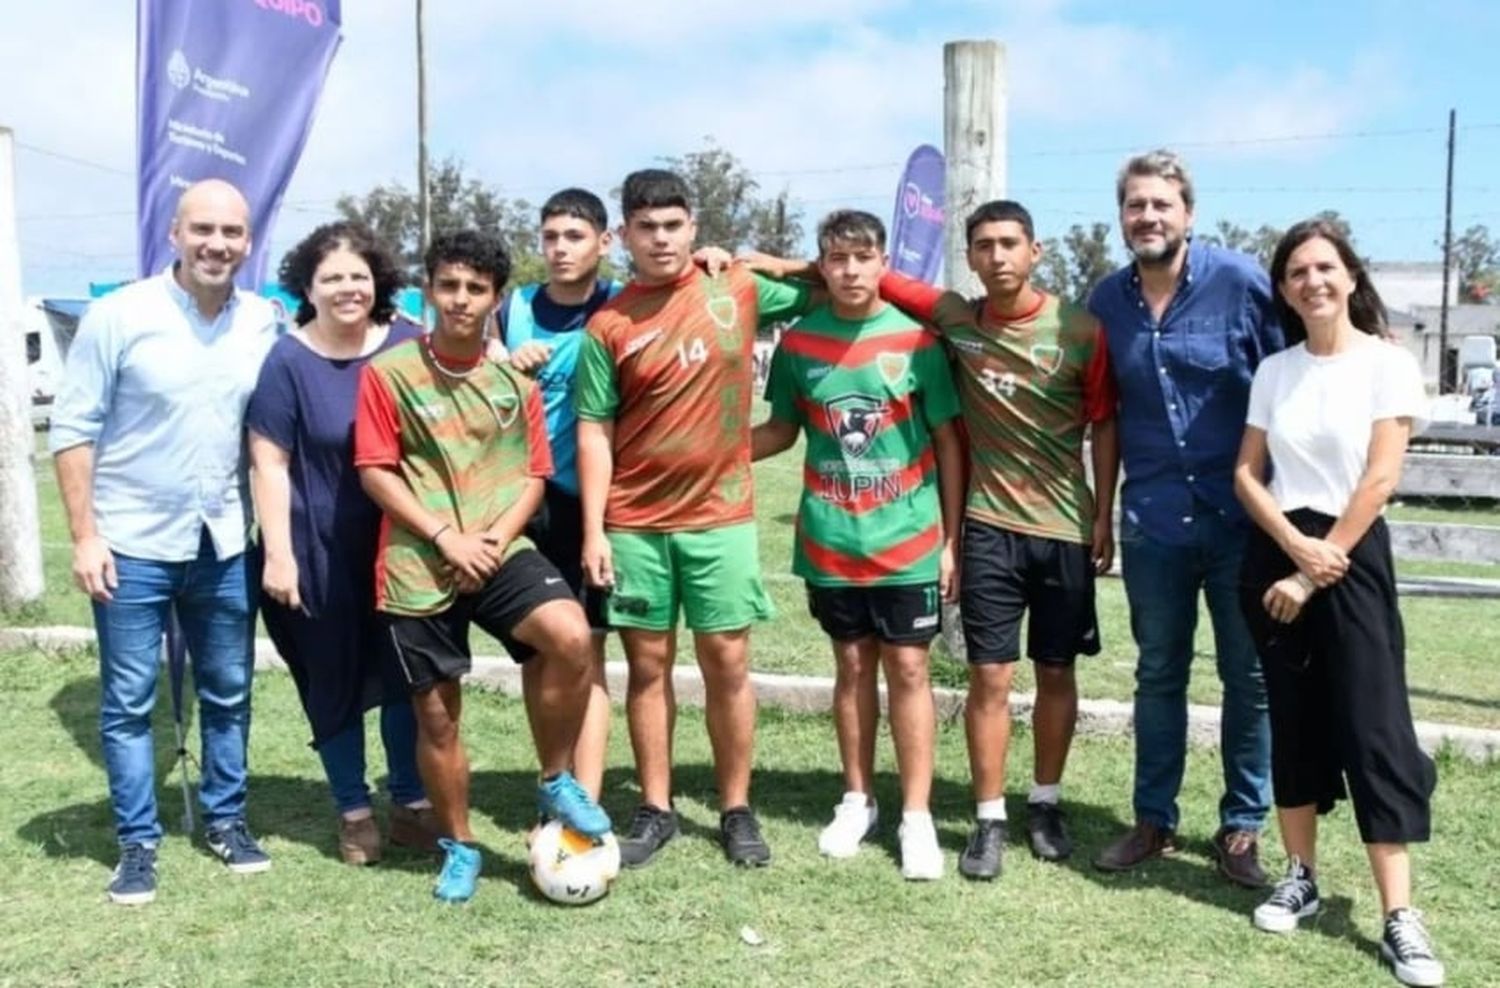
[[1330, 417]]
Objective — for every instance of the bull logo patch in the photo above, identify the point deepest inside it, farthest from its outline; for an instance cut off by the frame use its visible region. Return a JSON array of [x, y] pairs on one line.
[[856, 420], [1046, 358]]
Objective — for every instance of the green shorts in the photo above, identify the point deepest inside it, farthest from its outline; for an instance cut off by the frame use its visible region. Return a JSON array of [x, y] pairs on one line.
[[713, 576]]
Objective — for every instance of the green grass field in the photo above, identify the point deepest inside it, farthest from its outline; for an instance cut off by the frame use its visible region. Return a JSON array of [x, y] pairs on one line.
[[314, 921]]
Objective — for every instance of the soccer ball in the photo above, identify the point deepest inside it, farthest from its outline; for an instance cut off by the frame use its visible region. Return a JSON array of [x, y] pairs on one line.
[[570, 868]]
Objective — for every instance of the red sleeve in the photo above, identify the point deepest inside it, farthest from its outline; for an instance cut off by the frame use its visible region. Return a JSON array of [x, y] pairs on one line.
[[916, 298], [377, 430], [1100, 396], [540, 463]]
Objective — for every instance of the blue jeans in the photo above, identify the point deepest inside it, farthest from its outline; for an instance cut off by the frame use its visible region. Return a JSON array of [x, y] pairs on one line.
[[215, 602], [344, 760], [1162, 584]]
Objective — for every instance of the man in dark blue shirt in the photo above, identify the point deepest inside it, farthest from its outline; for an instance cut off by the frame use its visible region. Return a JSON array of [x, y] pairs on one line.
[[1186, 324]]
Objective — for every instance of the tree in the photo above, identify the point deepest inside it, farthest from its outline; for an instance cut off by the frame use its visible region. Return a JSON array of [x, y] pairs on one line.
[[457, 202], [1261, 244], [730, 212], [1071, 267], [1476, 255]]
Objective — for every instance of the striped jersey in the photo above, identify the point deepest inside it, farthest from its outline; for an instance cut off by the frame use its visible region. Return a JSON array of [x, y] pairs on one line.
[[1029, 384], [867, 394], [466, 441], [671, 365]]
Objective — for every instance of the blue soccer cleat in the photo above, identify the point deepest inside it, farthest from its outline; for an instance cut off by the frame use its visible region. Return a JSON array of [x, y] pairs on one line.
[[460, 872], [562, 798]]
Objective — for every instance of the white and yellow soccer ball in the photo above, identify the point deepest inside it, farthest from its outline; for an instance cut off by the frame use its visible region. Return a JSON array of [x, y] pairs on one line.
[[571, 868]]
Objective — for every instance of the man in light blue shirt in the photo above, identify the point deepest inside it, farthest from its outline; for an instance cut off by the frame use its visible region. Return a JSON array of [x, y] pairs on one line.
[[147, 439]]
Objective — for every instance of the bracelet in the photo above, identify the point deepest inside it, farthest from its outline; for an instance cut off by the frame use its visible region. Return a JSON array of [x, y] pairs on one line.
[[441, 529], [1304, 581]]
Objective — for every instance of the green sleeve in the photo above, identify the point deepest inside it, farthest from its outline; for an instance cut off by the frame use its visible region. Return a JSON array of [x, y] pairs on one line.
[[781, 388], [597, 396], [935, 381], [780, 301]]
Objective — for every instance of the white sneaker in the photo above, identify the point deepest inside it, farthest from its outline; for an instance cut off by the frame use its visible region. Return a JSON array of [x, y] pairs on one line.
[[921, 858], [853, 820]]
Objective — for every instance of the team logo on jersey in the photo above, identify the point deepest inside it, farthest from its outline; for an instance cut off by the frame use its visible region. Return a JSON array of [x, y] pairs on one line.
[[506, 407], [1046, 358], [856, 420], [721, 306], [893, 366]]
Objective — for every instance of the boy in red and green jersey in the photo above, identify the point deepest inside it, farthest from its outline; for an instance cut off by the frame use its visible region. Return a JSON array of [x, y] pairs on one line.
[[453, 448], [663, 399], [871, 390], [1033, 376]]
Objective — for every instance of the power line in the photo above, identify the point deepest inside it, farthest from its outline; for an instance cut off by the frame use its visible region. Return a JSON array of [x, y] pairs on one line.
[[74, 159]]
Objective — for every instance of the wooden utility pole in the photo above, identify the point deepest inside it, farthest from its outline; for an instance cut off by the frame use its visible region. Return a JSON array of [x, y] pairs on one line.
[[974, 100], [1443, 364], [20, 533], [424, 203]]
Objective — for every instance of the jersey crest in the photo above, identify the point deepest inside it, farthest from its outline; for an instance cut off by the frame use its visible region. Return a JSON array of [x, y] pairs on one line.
[[856, 419]]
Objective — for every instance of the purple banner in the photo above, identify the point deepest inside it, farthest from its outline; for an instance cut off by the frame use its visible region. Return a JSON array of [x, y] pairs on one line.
[[917, 231], [225, 89]]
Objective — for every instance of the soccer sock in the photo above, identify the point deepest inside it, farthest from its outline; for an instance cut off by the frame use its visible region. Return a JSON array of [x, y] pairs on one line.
[[915, 816], [990, 809], [1049, 794]]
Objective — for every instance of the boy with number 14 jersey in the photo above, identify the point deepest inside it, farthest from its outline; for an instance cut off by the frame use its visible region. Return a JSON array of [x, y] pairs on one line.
[[664, 379]]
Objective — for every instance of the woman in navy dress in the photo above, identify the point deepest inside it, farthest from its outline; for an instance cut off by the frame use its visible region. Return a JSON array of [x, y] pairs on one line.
[[319, 531]]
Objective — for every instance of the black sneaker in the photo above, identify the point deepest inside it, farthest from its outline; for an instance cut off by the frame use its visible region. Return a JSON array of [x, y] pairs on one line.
[[232, 843], [740, 834], [983, 858], [1407, 948], [1049, 836], [1294, 898], [650, 829], [134, 881]]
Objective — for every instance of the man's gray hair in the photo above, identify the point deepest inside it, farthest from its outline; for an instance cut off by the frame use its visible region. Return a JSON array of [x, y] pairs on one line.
[[1162, 164]]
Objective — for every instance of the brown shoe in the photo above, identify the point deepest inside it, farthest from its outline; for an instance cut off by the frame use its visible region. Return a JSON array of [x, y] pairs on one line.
[[414, 828], [1238, 852], [359, 841], [1141, 842]]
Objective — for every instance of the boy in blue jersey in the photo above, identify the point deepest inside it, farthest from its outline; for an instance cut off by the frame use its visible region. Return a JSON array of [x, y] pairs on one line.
[[542, 326]]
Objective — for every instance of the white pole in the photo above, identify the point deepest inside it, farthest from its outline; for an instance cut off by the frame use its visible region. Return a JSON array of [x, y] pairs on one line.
[[974, 98], [20, 533]]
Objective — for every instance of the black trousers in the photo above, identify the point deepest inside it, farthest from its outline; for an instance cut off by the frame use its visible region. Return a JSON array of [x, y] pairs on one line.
[[1336, 685]]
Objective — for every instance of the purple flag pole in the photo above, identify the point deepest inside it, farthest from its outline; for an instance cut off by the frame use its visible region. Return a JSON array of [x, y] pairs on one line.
[[225, 90], [917, 231]]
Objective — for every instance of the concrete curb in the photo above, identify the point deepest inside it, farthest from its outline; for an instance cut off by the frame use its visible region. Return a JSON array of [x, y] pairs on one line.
[[814, 694]]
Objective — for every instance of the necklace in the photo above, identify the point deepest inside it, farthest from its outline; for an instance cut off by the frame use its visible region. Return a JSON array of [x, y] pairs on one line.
[[448, 371]]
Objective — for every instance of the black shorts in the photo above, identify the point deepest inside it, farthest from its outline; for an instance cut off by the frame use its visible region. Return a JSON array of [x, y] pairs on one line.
[[557, 531], [896, 615], [435, 647], [1004, 574]]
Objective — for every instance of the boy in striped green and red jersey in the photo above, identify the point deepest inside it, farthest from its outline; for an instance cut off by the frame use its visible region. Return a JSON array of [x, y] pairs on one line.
[[877, 526]]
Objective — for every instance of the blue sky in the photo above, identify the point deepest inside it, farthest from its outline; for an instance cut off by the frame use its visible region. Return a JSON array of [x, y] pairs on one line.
[[822, 99]]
